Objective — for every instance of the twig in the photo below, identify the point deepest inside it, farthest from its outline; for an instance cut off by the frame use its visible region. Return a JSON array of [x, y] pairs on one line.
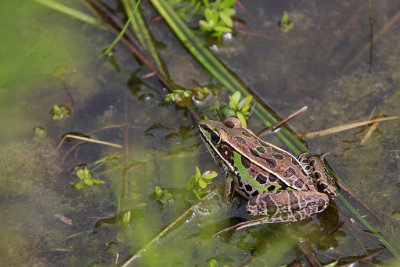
[[345, 127], [312, 260], [88, 139], [342, 187], [366, 47], [371, 34], [279, 124], [244, 9]]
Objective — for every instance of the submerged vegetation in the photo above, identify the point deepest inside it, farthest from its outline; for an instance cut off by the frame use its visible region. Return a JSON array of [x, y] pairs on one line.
[[132, 132]]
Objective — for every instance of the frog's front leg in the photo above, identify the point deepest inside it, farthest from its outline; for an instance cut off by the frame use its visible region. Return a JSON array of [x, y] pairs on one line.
[[287, 206], [230, 188]]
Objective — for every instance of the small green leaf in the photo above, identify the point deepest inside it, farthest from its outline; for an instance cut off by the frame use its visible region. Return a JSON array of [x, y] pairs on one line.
[[285, 23], [198, 173], [229, 11], [158, 191], [202, 183], [208, 14], [248, 99], [211, 16], [210, 174], [60, 112], [87, 173], [168, 196], [191, 183], [205, 25], [241, 104], [234, 99], [97, 182], [226, 19], [241, 118], [222, 29], [79, 185], [227, 3], [126, 218], [285, 18], [229, 113]]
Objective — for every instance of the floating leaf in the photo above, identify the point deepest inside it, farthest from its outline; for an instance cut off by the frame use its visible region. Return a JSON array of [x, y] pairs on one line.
[[158, 191], [226, 19], [226, 4]]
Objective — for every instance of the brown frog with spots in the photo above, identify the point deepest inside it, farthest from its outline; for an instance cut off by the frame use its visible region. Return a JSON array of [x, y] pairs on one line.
[[280, 188]]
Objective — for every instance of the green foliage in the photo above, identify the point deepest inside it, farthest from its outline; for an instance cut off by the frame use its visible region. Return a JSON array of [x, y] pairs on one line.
[[86, 178], [187, 9], [197, 183], [163, 195], [218, 17], [182, 98], [217, 14], [201, 92], [214, 263], [60, 112], [285, 24], [127, 218], [238, 108], [39, 134]]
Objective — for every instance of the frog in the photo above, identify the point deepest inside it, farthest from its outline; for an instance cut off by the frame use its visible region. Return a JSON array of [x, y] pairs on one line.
[[279, 187]]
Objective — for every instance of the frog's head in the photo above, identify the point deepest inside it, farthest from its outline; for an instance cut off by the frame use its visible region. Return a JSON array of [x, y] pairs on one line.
[[216, 132], [217, 137]]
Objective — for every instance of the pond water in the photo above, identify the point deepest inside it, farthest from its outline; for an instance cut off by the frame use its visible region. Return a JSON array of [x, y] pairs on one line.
[[48, 59]]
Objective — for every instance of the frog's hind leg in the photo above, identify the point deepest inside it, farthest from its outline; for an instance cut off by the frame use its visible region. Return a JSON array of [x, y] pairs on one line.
[[287, 206], [284, 206]]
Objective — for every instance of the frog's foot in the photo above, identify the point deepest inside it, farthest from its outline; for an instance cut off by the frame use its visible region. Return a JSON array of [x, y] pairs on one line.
[[287, 206]]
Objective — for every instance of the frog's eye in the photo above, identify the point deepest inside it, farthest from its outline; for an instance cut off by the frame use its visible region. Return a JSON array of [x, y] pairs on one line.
[[215, 138]]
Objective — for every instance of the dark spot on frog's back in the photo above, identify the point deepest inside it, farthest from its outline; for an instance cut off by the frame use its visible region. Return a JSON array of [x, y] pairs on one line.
[[278, 156], [270, 162], [283, 185], [246, 133], [299, 183], [271, 188], [262, 179], [262, 143], [272, 178], [261, 149], [295, 162], [289, 172], [254, 153], [240, 140], [246, 163]]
